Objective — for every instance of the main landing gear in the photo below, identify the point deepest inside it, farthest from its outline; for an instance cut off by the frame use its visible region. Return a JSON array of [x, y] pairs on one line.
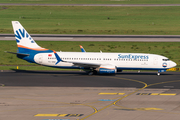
[[93, 72], [90, 73]]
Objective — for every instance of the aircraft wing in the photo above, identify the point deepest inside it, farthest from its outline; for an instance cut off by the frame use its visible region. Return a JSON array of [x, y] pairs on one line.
[[80, 64], [84, 64], [82, 49]]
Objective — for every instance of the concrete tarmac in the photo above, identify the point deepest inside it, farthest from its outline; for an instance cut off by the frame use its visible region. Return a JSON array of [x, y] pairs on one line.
[[115, 38], [68, 95]]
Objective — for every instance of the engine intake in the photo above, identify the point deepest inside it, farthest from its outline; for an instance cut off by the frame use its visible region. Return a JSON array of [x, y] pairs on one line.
[[107, 69]]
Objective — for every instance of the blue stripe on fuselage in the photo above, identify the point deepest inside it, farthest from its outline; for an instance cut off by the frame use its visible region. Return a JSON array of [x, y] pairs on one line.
[[124, 68], [31, 53]]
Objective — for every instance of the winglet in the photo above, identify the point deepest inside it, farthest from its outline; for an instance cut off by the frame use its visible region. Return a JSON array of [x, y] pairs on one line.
[[57, 57], [82, 49]]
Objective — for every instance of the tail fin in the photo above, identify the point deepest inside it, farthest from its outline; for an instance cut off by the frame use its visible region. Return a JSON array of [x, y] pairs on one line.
[[24, 40]]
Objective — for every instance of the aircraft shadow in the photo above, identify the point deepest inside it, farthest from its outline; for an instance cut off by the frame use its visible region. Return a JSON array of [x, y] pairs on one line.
[[49, 72], [142, 73], [85, 73]]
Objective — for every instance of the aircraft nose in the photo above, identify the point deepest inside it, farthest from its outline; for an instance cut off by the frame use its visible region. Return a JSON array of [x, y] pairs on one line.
[[173, 64]]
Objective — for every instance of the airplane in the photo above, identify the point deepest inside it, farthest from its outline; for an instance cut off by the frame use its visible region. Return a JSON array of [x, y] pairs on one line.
[[95, 63]]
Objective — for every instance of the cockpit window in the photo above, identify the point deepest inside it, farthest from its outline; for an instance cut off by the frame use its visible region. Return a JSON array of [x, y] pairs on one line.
[[165, 59]]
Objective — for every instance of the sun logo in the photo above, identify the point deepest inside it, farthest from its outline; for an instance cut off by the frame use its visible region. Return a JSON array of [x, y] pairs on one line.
[[22, 34], [164, 64]]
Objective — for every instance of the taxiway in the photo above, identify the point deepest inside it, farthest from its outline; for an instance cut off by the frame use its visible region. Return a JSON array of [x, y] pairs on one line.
[[40, 95]]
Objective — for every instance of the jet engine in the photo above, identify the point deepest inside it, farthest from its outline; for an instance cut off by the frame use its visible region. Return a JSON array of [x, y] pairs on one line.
[[106, 69]]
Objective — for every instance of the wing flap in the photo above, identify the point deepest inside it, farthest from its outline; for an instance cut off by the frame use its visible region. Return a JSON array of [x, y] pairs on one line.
[[84, 64], [79, 64]]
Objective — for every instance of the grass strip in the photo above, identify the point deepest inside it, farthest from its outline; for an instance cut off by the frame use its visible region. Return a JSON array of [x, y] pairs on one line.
[[93, 1], [14, 67], [92, 20]]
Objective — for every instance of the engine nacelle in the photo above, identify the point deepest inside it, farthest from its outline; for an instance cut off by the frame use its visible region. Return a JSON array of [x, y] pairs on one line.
[[108, 69]]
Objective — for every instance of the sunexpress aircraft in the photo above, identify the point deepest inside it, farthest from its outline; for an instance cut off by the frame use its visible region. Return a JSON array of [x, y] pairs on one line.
[[102, 63]]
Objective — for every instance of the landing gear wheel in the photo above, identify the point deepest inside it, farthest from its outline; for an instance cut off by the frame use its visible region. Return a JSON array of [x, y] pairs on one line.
[[94, 72], [90, 73], [158, 74]]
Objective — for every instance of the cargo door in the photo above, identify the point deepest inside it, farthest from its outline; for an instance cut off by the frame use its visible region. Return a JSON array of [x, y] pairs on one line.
[[40, 58]]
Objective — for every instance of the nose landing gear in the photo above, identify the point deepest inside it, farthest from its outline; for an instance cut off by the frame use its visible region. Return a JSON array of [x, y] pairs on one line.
[[159, 71], [158, 74]]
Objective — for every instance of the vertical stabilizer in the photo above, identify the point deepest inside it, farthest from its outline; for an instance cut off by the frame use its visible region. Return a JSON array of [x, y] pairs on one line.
[[24, 40]]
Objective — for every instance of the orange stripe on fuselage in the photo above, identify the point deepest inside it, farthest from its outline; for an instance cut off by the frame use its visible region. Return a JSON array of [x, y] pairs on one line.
[[39, 49]]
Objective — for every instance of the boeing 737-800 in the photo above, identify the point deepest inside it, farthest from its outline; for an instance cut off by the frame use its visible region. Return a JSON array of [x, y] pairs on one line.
[[102, 63]]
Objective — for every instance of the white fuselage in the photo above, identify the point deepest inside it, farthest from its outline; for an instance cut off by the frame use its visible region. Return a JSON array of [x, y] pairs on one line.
[[119, 60]]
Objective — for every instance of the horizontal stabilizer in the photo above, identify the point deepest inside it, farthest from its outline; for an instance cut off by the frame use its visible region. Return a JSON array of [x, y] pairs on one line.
[[17, 53]]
